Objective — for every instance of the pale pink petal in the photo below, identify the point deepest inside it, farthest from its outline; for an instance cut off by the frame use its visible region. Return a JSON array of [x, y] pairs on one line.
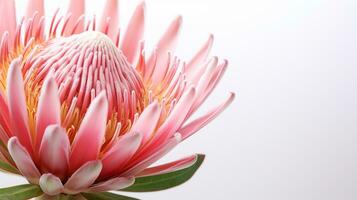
[[48, 110], [51, 184], [119, 154], [200, 56], [177, 115], [54, 151], [76, 10], [195, 76], [35, 6], [89, 138], [23, 160], [117, 183], [197, 124], [111, 13], [4, 118], [147, 121], [203, 83], [8, 21], [17, 104], [214, 80], [169, 167], [84, 177], [206, 77], [134, 34], [157, 153], [166, 44]]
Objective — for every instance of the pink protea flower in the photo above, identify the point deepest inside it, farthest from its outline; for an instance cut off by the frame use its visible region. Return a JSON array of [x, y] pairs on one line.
[[86, 110]]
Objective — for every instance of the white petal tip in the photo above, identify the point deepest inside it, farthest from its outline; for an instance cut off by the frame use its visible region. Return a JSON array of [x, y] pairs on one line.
[[211, 38], [12, 142], [177, 137], [51, 184]]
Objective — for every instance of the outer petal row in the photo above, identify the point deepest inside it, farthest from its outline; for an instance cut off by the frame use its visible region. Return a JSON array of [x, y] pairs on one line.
[[54, 151], [17, 104], [88, 140]]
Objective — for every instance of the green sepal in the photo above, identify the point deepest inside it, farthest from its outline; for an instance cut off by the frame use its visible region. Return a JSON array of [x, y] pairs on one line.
[[106, 196], [20, 192], [8, 168], [166, 180]]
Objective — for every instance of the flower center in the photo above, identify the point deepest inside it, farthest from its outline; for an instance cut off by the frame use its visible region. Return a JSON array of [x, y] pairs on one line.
[[85, 65]]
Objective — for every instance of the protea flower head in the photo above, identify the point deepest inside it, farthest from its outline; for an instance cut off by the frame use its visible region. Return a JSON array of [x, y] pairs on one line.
[[85, 109]]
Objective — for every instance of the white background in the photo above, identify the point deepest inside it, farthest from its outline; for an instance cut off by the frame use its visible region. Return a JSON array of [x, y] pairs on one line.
[[291, 132]]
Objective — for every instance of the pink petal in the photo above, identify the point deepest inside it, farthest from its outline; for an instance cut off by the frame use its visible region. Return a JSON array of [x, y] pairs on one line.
[[49, 108], [147, 121], [17, 104], [166, 44], [4, 118], [197, 124], [51, 184], [23, 160], [111, 12], [195, 76], [35, 6], [177, 115], [203, 83], [169, 167], [89, 138], [206, 77], [169, 39], [83, 178], [112, 184], [119, 154], [213, 82], [54, 151], [76, 10], [8, 12], [134, 34], [157, 153], [200, 56]]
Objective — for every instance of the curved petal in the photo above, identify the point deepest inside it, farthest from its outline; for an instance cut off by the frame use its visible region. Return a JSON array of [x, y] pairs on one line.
[[151, 158], [197, 124], [89, 138], [213, 82], [177, 115], [75, 10], [134, 34], [54, 151], [23, 160], [112, 184], [51, 184], [119, 154], [111, 12], [84, 177], [8, 12], [203, 83], [4, 118], [17, 105], [48, 110], [169, 167], [147, 121], [166, 44], [200, 56]]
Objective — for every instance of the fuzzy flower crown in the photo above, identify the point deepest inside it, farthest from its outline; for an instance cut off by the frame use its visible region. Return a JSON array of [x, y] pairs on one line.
[[84, 109]]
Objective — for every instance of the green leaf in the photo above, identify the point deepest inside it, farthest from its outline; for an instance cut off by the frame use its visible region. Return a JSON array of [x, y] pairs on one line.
[[8, 168], [166, 180], [60, 197], [106, 196], [20, 192]]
